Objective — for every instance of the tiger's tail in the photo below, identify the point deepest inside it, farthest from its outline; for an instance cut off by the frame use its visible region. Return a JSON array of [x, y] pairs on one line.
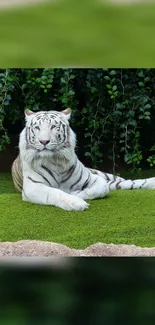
[[119, 183]]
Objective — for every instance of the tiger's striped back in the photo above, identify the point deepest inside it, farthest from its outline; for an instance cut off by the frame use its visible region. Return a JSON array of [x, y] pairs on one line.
[[17, 175], [115, 182]]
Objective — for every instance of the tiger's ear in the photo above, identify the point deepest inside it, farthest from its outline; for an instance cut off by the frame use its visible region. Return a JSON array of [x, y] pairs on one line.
[[67, 112], [28, 112], [28, 115]]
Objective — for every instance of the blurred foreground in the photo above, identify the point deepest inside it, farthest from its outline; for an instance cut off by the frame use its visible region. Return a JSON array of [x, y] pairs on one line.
[[72, 33], [89, 291], [13, 3]]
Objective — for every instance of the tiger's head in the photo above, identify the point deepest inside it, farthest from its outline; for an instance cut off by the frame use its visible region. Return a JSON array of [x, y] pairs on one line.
[[49, 132]]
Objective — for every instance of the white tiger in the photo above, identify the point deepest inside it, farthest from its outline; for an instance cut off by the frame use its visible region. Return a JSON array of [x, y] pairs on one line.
[[47, 170]]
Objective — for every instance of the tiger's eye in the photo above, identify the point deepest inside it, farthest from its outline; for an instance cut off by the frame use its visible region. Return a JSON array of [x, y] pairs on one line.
[[37, 127], [53, 127]]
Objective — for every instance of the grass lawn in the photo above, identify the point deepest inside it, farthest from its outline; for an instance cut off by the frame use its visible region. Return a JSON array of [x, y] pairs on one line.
[[126, 217], [78, 33]]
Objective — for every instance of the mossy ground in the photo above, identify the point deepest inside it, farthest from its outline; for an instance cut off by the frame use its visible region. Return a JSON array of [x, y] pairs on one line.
[[69, 33], [126, 217]]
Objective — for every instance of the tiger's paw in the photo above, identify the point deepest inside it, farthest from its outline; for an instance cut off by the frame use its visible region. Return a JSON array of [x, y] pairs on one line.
[[73, 203]]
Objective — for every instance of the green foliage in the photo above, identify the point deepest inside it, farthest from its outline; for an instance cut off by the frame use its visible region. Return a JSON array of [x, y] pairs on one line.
[[151, 159], [115, 109]]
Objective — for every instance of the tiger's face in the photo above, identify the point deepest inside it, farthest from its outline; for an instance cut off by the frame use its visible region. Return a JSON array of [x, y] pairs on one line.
[[47, 132]]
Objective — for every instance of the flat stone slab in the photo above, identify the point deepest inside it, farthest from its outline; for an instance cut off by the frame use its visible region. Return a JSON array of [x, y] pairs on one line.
[[25, 248]]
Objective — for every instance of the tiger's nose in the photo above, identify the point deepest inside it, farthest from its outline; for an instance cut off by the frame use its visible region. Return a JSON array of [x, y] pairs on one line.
[[44, 142]]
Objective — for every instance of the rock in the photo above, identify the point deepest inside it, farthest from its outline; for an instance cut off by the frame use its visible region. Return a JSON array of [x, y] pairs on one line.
[[29, 248]]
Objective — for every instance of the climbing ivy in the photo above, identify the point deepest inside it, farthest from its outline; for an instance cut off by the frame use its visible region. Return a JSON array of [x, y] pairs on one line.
[[113, 109]]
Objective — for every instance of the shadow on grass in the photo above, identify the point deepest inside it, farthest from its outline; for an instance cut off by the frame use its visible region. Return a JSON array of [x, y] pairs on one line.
[[99, 199], [6, 184]]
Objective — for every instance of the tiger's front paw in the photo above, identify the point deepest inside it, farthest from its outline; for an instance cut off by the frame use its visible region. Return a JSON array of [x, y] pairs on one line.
[[73, 203]]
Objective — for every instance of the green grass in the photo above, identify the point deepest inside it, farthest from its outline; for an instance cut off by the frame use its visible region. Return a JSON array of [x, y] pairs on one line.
[[78, 33], [123, 217]]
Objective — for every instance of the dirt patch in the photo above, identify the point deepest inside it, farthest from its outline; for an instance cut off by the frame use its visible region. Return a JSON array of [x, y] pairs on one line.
[[25, 248]]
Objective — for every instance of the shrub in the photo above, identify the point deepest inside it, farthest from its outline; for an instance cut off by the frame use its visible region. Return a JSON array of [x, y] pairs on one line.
[[114, 108]]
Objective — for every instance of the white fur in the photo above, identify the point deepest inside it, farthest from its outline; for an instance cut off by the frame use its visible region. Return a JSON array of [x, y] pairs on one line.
[[58, 193], [44, 180]]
